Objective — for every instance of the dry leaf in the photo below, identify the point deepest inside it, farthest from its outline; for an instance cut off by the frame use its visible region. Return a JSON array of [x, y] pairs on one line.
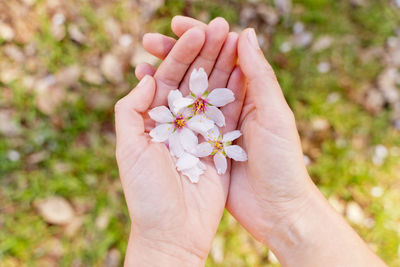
[[112, 68], [55, 210]]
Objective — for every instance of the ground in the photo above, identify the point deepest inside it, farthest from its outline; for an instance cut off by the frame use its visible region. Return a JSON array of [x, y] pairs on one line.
[[63, 65]]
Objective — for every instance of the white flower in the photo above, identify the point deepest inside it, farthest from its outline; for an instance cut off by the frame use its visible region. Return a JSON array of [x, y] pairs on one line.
[[190, 166], [204, 102], [177, 127], [221, 146]]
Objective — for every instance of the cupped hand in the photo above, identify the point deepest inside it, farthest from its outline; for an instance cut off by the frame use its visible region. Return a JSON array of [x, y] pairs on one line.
[[269, 189], [172, 217], [271, 194]]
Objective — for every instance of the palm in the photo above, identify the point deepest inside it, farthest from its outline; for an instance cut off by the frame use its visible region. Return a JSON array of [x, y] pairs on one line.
[[161, 200]]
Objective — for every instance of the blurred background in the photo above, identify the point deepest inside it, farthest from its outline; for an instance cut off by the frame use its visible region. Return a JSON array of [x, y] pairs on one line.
[[63, 65]]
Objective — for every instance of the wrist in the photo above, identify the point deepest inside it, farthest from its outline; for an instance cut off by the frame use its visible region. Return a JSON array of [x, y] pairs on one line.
[[142, 251], [316, 235], [292, 230]]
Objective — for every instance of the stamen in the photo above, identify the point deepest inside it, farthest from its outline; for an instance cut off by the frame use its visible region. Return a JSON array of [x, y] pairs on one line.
[[199, 106], [179, 122], [218, 145]]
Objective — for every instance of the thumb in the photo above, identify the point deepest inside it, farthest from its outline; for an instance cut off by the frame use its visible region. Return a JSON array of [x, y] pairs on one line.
[[129, 124], [263, 86]]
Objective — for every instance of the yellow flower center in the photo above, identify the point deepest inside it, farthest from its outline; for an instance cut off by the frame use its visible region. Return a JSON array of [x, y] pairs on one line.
[[179, 122], [218, 145], [199, 106]]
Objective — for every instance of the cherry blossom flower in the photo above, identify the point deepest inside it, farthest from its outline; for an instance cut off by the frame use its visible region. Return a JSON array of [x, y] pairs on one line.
[[203, 102], [221, 146], [178, 125], [177, 128]]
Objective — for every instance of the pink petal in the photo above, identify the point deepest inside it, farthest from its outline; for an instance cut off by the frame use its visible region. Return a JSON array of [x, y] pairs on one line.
[[198, 82], [175, 146], [215, 115], [229, 137], [194, 173], [236, 153], [172, 96], [188, 139], [213, 134], [203, 150], [220, 97], [161, 132], [200, 124], [182, 102], [186, 161], [220, 163], [161, 114]]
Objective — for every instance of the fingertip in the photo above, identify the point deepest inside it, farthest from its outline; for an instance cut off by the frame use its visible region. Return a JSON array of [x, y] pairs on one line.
[[144, 69], [175, 24], [197, 35], [158, 44], [181, 24], [233, 36], [251, 58], [220, 24]]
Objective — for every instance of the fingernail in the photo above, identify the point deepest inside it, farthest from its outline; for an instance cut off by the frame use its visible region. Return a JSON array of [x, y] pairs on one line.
[[251, 35], [143, 81]]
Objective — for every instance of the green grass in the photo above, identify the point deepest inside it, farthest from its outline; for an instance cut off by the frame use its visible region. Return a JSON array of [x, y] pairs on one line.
[[77, 141]]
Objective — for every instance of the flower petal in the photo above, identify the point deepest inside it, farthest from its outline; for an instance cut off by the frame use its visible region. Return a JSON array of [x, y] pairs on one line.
[[212, 135], [172, 96], [236, 153], [161, 132], [200, 123], [201, 165], [229, 137], [216, 115], [220, 163], [194, 173], [186, 161], [161, 114], [188, 139], [198, 82], [220, 97], [182, 102], [175, 146], [203, 150]]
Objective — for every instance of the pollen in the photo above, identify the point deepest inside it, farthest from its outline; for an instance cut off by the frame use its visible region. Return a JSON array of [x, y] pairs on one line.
[[218, 145], [179, 122], [199, 106]]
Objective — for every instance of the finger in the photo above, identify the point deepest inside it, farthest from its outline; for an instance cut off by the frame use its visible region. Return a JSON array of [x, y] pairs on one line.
[[232, 111], [144, 69], [180, 24], [172, 70], [158, 44], [129, 125], [216, 34], [225, 63], [262, 83]]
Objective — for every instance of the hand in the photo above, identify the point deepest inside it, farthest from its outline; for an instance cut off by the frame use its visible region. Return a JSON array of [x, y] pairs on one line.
[[173, 219], [273, 184], [271, 194]]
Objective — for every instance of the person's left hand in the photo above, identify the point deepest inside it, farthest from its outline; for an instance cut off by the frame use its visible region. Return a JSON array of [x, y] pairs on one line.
[[171, 217]]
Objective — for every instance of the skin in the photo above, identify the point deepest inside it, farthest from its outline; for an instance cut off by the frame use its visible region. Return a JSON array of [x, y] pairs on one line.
[[271, 194], [173, 219]]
